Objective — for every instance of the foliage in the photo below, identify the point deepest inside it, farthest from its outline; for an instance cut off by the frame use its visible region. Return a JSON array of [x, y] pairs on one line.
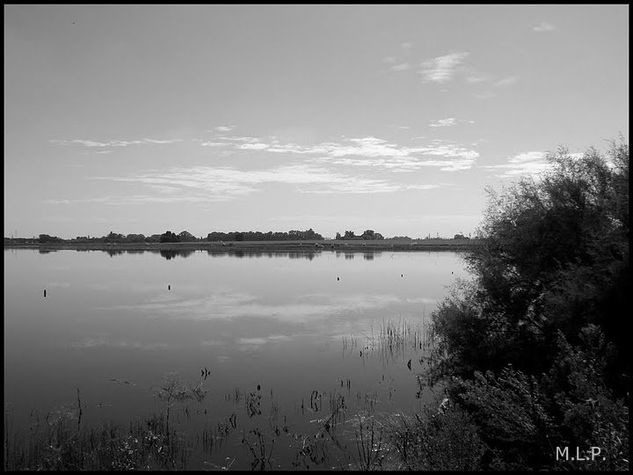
[[368, 235], [169, 237], [44, 238], [292, 235], [535, 345], [437, 440]]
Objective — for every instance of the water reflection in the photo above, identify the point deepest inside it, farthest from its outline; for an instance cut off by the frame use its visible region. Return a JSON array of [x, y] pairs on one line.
[[171, 253], [240, 253], [113, 328]]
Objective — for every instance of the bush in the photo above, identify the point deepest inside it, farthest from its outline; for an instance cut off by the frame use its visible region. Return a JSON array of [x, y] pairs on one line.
[[437, 440], [535, 346]]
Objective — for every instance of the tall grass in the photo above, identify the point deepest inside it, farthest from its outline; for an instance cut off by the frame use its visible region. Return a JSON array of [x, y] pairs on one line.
[[58, 445]]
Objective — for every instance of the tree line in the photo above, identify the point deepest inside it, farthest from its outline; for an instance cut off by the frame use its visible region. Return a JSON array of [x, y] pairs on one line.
[[185, 236]]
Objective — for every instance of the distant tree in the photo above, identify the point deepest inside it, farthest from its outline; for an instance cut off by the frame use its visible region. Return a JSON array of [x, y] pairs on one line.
[[153, 238], [293, 235], [169, 237], [44, 238], [135, 238], [114, 237], [368, 235], [338, 236], [186, 236]]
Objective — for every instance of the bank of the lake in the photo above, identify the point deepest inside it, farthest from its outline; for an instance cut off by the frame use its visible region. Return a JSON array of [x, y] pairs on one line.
[[332, 244]]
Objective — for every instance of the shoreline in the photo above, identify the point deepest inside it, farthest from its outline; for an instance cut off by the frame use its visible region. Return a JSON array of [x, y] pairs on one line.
[[307, 246]]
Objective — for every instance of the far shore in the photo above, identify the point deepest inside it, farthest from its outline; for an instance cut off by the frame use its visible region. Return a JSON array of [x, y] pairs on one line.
[[311, 246]]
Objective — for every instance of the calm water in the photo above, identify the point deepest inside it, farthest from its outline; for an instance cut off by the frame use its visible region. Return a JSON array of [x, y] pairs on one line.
[[110, 326]]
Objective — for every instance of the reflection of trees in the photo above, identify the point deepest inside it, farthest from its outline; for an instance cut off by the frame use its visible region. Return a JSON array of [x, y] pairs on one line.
[[166, 253], [270, 254], [367, 255], [171, 253]]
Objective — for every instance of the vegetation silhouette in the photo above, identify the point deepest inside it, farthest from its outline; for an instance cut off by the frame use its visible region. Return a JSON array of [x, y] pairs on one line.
[[533, 351]]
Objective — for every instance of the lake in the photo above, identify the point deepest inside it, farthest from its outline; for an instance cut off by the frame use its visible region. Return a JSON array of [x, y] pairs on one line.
[[277, 342]]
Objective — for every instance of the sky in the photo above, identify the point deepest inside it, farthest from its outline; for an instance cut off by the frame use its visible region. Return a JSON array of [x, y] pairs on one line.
[[148, 118]]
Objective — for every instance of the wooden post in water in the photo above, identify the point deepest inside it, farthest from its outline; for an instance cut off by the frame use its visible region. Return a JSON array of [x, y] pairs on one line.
[[44, 292]]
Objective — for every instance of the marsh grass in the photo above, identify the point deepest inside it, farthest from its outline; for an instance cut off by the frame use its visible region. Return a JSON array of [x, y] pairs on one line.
[[434, 440], [392, 340], [336, 437], [56, 444], [340, 439]]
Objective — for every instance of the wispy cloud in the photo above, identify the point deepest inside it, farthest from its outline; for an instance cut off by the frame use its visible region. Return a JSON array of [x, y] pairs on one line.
[[207, 184], [369, 152], [401, 67], [213, 144], [136, 199], [224, 128], [543, 27], [475, 77], [507, 81], [449, 122], [444, 122], [112, 143], [527, 163], [442, 69], [254, 146]]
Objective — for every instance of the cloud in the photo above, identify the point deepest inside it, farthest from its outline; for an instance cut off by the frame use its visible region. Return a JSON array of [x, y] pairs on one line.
[[401, 67], [208, 184], [527, 163], [507, 81], [160, 141], [444, 122], [224, 128], [370, 152], [112, 143], [253, 146], [442, 69], [392, 156], [474, 77], [138, 199], [213, 144], [543, 27], [389, 59]]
